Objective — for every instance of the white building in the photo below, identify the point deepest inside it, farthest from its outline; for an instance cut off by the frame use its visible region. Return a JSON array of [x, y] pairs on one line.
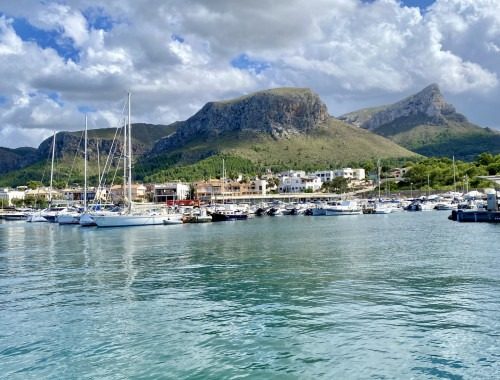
[[258, 186], [298, 182], [352, 174], [169, 192], [325, 175], [8, 195]]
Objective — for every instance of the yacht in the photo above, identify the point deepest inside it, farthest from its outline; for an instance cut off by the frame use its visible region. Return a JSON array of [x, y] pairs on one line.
[[344, 208]]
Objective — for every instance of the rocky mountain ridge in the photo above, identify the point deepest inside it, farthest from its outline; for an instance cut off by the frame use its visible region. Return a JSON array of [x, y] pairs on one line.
[[279, 112], [425, 123], [429, 103]]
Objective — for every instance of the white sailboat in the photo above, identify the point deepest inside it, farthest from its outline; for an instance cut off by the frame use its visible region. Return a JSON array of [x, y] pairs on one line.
[[46, 214], [130, 216], [73, 215]]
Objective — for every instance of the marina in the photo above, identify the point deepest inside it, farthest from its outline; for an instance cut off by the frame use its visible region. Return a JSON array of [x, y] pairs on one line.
[[217, 190]]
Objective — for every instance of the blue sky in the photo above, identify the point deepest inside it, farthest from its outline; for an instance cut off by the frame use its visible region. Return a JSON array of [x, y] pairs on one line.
[[422, 4], [46, 38], [60, 59]]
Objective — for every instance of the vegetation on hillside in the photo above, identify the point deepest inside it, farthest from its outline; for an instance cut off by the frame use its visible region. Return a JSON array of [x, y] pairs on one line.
[[455, 137], [442, 175], [205, 169], [331, 146]]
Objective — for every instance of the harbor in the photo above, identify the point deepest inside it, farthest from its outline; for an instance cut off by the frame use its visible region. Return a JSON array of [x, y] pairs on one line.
[[472, 207]]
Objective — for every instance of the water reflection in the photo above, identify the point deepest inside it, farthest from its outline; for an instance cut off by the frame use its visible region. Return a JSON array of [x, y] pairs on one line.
[[360, 297]]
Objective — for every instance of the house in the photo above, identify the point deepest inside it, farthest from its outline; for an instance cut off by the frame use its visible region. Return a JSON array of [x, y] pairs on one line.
[[298, 182], [162, 193], [352, 174], [138, 193], [398, 173], [8, 195], [42, 193], [77, 194], [325, 175], [215, 188]]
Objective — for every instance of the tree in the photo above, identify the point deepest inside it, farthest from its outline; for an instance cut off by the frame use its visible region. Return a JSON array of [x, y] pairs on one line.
[[485, 158], [336, 185], [34, 185]]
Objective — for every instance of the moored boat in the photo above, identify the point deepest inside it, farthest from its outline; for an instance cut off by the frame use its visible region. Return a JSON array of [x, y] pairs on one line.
[[344, 208]]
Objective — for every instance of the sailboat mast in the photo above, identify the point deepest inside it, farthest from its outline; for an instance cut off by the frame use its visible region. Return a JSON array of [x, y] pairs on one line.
[[124, 158], [428, 185], [129, 155], [85, 170], [378, 171], [52, 167], [98, 193], [223, 179], [454, 176]]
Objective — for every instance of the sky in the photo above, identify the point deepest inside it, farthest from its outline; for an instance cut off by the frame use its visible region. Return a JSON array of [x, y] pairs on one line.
[[60, 60]]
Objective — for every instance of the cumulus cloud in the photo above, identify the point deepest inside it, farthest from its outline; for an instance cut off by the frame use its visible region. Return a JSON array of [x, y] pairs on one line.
[[176, 55]]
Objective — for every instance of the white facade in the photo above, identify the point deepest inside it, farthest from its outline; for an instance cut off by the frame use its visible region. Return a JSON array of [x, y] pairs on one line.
[[299, 184], [325, 175], [345, 172], [259, 186], [170, 191], [293, 173], [352, 174], [359, 174], [7, 196]]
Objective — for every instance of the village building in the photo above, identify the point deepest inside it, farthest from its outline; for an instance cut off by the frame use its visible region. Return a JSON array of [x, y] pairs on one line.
[[138, 193], [298, 182], [77, 194], [165, 192], [215, 189], [42, 193], [8, 195]]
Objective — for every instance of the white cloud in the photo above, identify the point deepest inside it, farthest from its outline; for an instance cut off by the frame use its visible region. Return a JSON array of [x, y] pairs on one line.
[[70, 21], [352, 53], [10, 43]]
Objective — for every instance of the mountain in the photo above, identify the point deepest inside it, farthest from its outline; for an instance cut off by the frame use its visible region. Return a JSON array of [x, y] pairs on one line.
[[279, 128], [11, 159], [285, 126], [19, 166], [425, 123]]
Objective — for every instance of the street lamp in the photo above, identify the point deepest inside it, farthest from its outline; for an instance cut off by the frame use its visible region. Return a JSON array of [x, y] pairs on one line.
[[411, 190]]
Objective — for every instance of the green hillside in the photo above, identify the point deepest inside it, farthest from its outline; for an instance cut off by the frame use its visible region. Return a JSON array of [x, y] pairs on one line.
[[332, 145], [274, 129], [10, 159], [462, 139], [69, 155], [425, 123]]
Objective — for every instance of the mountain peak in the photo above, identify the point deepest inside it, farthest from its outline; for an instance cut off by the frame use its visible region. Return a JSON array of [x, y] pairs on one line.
[[279, 112], [428, 103]]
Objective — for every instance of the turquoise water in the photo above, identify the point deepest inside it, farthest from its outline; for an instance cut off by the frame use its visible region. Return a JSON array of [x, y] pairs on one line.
[[401, 296]]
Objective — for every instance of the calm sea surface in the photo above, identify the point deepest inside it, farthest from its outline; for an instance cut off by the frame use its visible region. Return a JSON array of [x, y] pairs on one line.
[[401, 296]]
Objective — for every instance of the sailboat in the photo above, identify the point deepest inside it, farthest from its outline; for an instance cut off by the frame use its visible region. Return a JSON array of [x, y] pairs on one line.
[[72, 216], [47, 214], [226, 212], [131, 216]]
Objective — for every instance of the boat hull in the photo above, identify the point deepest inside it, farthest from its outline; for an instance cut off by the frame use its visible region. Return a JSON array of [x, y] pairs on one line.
[[36, 218], [68, 219], [475, 216], [87, 220], [343, 212], [129, 220], [220, 217]]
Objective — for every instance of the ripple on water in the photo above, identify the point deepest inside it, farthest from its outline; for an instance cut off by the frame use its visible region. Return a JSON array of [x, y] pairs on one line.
[[402, 296]]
